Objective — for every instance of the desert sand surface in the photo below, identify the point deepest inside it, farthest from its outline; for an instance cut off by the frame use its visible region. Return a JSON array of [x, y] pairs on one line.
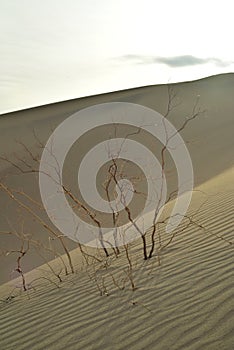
[[186, 303], [183, 296], [209, 139]]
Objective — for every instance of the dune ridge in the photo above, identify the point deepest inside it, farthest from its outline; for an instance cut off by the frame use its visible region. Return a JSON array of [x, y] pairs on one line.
[[186, 302], [209, 139]]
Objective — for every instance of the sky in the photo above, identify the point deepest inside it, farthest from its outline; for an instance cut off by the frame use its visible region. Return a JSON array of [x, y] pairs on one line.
[[55, 50]]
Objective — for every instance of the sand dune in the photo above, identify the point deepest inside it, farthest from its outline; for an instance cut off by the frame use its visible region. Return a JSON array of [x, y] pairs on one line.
[[209, 140], [185, 303]]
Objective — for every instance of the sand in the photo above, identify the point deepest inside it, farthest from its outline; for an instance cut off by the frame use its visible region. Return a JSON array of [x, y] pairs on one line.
[[185, 303]]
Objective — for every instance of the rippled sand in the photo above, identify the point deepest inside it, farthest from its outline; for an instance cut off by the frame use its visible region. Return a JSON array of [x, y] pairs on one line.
[[186, 303]]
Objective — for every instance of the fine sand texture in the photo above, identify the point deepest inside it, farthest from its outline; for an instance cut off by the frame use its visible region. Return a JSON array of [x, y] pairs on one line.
[[180, 299], [186, 303]]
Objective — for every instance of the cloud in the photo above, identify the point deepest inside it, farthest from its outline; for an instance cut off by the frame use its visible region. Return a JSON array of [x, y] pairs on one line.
[[174, 61]]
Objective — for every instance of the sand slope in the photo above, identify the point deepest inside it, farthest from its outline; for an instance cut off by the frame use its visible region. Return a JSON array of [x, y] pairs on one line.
[[209, 140], [186, 303]]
